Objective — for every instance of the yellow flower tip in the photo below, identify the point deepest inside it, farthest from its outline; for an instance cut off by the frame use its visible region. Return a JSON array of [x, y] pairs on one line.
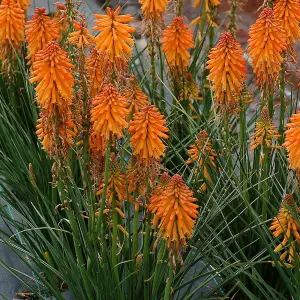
[[109, 113], [115, 38], [292, 142], [12, 22], [153, 9], [134, 95], [81, 37], [177, 40], [266, 44], [148, 129], [227, 70], [265, 131], [40, 30], [176, 211], [288, 12], [51, 70]]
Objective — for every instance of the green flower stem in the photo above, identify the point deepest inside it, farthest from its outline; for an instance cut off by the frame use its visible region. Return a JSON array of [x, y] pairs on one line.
[[74, 227], [106, 174], [114, 257], [157, 274], [282, 103], [169, 281], [264, 183], [135, 235]]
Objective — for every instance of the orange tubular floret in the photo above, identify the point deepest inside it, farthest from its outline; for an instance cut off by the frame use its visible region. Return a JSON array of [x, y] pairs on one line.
[[148, 129], [266, 44], [292, 140], [288, 11], [52, 71], [12, 23], [115, 38], [227, 69], [40, 30], [81, 37], [153, 9], [109, 113], [176, 212], [177, 40]]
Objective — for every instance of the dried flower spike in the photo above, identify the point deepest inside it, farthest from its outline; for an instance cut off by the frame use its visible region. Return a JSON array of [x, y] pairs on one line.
[[288, 11], [177, 40], [94, 69], [177, 213], [52, 71], [116, 183], [265, 131], [292, 141], [287, 224], [202, 155], [40, 30], [109, 113], [134, 95], [12, 23], [227, 70], [115, 38], [148, 129], [47, 132], [81, 37], [266, 44]]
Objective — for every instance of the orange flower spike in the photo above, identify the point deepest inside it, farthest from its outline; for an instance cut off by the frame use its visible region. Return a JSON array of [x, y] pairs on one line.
[[156, 196], [177, 213], [115, 38], [52, 71], [40, 30], [227, 69], [12, 23], [288, 11], [148, 129], [109, 113], [94, 69], [153, 9], [135, 96], [286, 224], [81, 37], [292, 141], [176, 41], [24, 4], [266, 44]]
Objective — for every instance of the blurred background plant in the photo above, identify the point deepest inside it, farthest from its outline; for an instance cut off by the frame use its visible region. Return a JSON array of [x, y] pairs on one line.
[[150, 172]]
